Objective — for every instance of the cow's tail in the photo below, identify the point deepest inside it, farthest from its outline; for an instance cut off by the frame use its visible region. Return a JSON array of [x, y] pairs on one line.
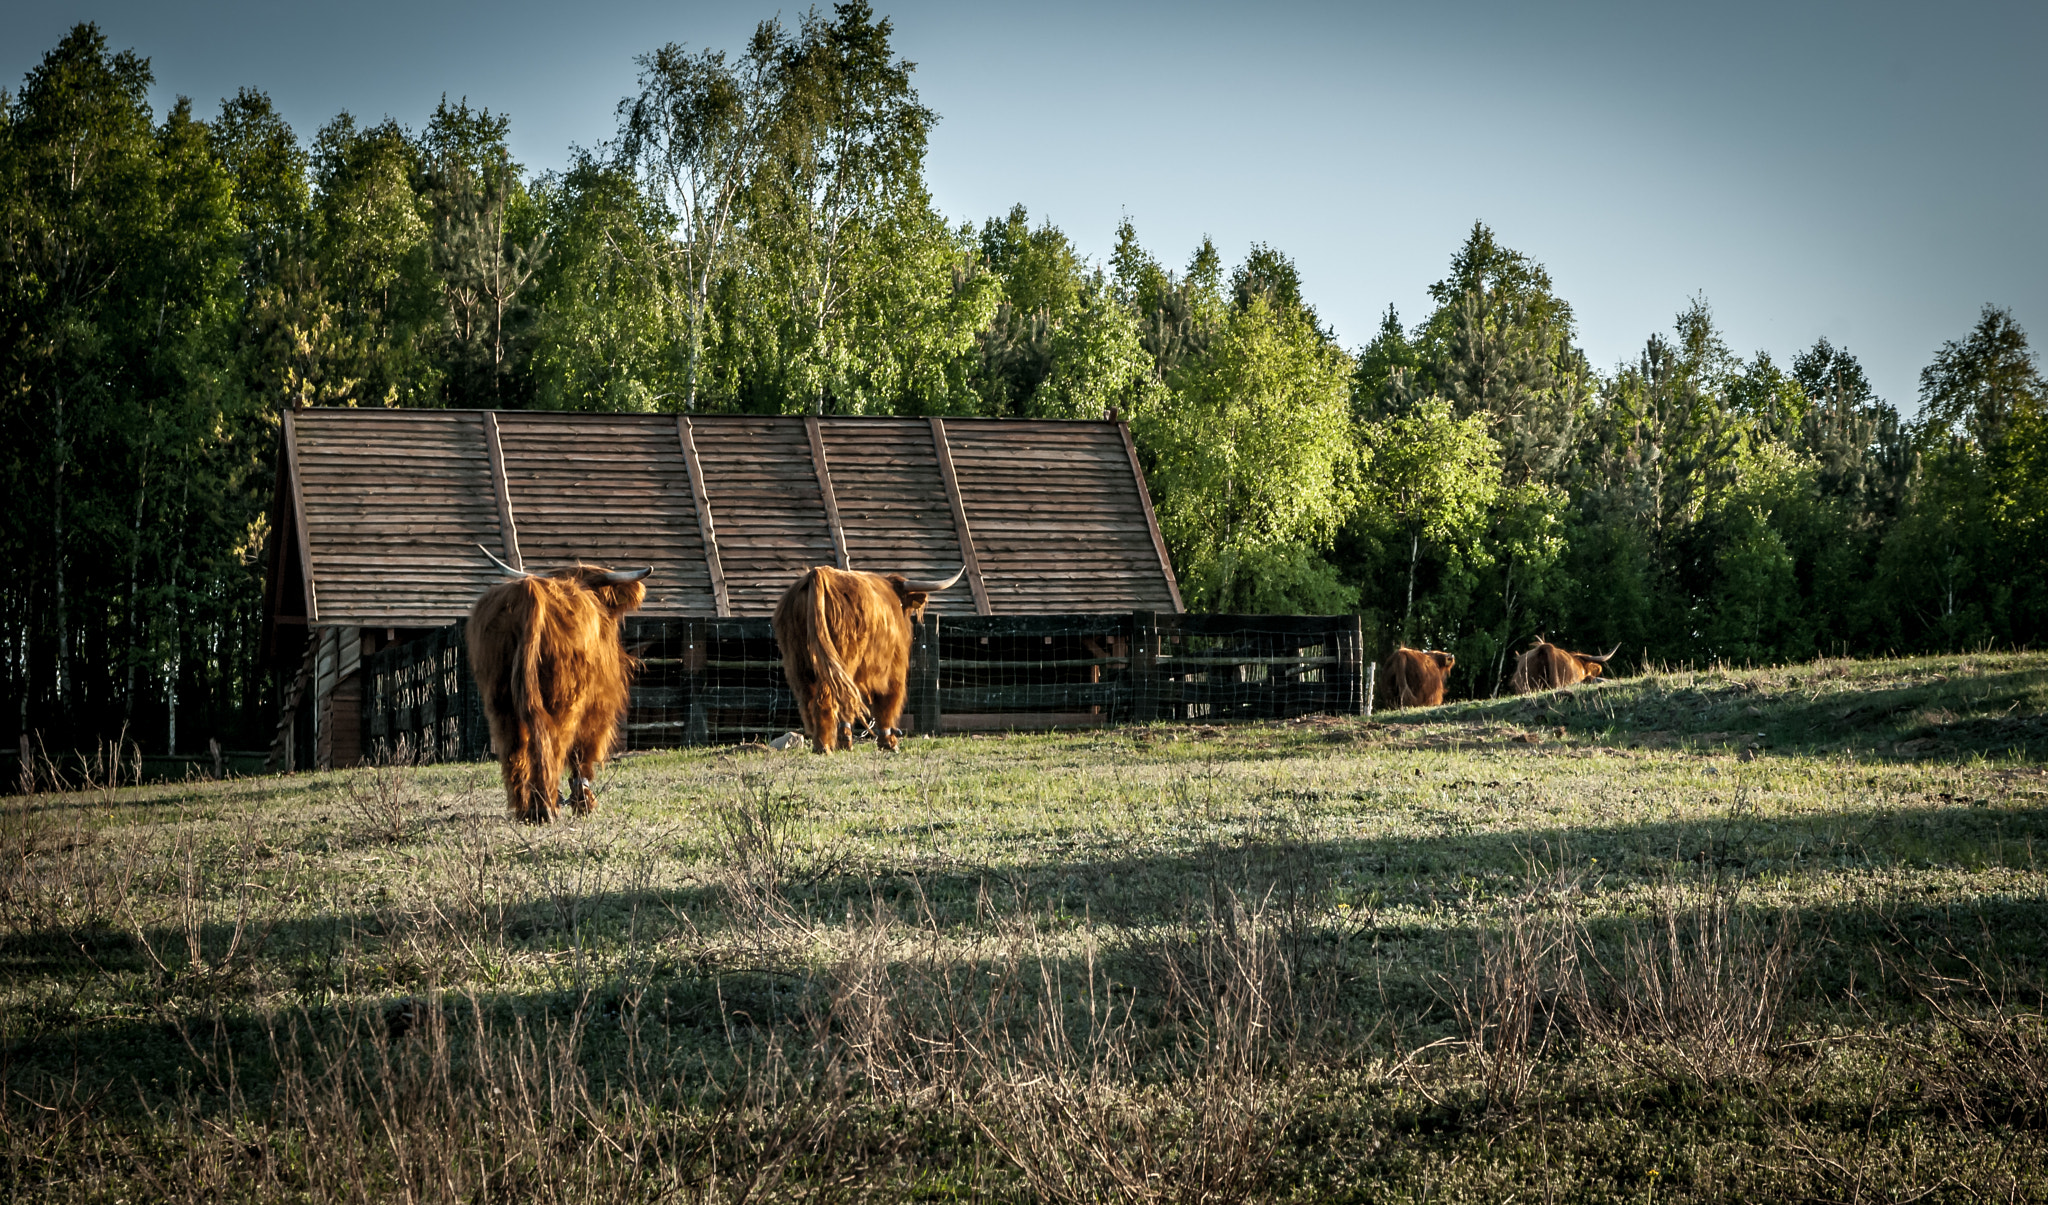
[[826, 666], [528, 704]]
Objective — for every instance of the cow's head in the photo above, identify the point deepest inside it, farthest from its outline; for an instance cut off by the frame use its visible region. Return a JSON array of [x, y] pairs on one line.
[[1594, 666], [913, 600], [616, 590], [1444, 661], [915, 594]]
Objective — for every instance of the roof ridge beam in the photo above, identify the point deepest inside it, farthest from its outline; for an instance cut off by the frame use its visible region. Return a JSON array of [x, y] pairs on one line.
[[1151, 519], [813, 428], [700, 495], [508, 531], [302, 531], [944, 451]]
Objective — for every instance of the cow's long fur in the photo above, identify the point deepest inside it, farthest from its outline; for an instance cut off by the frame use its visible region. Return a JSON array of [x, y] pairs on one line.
[[1413, 678], [554, 679], [845, 640], [1548, 667]]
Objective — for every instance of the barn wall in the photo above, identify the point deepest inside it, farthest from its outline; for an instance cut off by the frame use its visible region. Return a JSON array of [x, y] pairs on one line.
[[337, 697]]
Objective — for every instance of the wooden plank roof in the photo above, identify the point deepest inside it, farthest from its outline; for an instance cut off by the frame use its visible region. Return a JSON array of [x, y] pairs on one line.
[[386, 508]]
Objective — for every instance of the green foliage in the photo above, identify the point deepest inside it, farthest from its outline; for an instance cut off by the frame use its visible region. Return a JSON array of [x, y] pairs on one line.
[[758, 237], [1434, 476], [1251, 450], [133, 453], [1097, 362], [1977, 387], [372, 251], [606, 328]]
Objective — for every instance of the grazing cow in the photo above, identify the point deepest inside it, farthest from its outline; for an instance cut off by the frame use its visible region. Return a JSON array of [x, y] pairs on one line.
[[1548, 667], [553, 676], [845, 640], [1413, 678]]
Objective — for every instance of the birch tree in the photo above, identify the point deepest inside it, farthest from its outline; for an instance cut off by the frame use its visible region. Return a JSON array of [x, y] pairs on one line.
[[695, 136]]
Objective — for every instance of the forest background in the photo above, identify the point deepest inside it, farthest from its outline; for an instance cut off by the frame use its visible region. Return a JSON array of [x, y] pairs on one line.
[[758, 237]]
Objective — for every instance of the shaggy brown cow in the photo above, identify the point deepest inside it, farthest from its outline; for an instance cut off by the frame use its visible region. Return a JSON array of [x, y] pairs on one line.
[[845, 640], [1548, 667], [553, 676], [1413, 678]]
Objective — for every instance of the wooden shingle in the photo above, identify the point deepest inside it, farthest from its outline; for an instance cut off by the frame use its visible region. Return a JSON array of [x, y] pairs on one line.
[[393, 503]]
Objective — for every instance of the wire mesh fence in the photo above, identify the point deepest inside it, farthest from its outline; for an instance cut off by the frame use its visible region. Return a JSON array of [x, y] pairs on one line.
[[420, 698], [705, 681]]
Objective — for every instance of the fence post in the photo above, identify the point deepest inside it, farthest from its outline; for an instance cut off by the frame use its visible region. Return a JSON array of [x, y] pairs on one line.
[[1144, 666], [1361, 700], [923, 686], [476, 729], [696, 661]]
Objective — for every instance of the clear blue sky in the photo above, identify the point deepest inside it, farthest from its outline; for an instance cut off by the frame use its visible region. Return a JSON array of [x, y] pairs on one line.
[[1868, 172]]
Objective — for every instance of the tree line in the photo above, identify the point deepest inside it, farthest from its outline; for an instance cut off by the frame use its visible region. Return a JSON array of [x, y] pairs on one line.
[[756, 236]]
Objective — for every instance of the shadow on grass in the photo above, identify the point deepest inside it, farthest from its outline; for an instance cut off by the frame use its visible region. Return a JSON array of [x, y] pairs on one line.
[[1386, 916]]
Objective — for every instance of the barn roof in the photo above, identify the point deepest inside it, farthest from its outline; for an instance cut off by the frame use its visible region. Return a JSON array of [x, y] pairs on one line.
[[379, 511]]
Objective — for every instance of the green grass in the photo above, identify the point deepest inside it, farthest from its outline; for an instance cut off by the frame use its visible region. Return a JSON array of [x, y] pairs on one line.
[[1691, 936]]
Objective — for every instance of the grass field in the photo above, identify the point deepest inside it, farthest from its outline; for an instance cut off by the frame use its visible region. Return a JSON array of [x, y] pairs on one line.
[[1736, 935]]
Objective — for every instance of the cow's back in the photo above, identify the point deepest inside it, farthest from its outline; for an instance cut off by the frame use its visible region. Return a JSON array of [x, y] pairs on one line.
[[1545, 667], [863, 618], [1410, 678], [543, 648], [502, 629]]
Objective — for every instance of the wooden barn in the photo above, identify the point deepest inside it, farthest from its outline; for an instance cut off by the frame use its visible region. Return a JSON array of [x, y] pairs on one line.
[[379, 513]]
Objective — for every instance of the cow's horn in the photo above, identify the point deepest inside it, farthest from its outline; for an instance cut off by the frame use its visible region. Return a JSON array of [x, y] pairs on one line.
[[509, 570], [933, 587], [619, 577], [1605, 657]]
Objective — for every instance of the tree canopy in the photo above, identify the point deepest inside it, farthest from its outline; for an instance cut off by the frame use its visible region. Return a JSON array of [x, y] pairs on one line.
[[757, 236]]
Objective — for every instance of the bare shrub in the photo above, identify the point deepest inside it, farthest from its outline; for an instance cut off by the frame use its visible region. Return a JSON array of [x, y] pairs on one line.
[[1698, 992], [1508, 1000], [449, 1108], [1984, 1061], [383, 797], [764, 845], [55, 872], [217, 910], [1090, 1088]]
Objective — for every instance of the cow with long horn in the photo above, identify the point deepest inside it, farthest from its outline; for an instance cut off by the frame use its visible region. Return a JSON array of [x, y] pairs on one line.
[[845, 641], [1545, 666], [553, 675]]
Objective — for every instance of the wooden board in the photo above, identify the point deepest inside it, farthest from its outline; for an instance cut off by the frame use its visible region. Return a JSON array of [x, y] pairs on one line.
[[508, 529], [892, 503], [763, 487], [707, 530], [824, 471]]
